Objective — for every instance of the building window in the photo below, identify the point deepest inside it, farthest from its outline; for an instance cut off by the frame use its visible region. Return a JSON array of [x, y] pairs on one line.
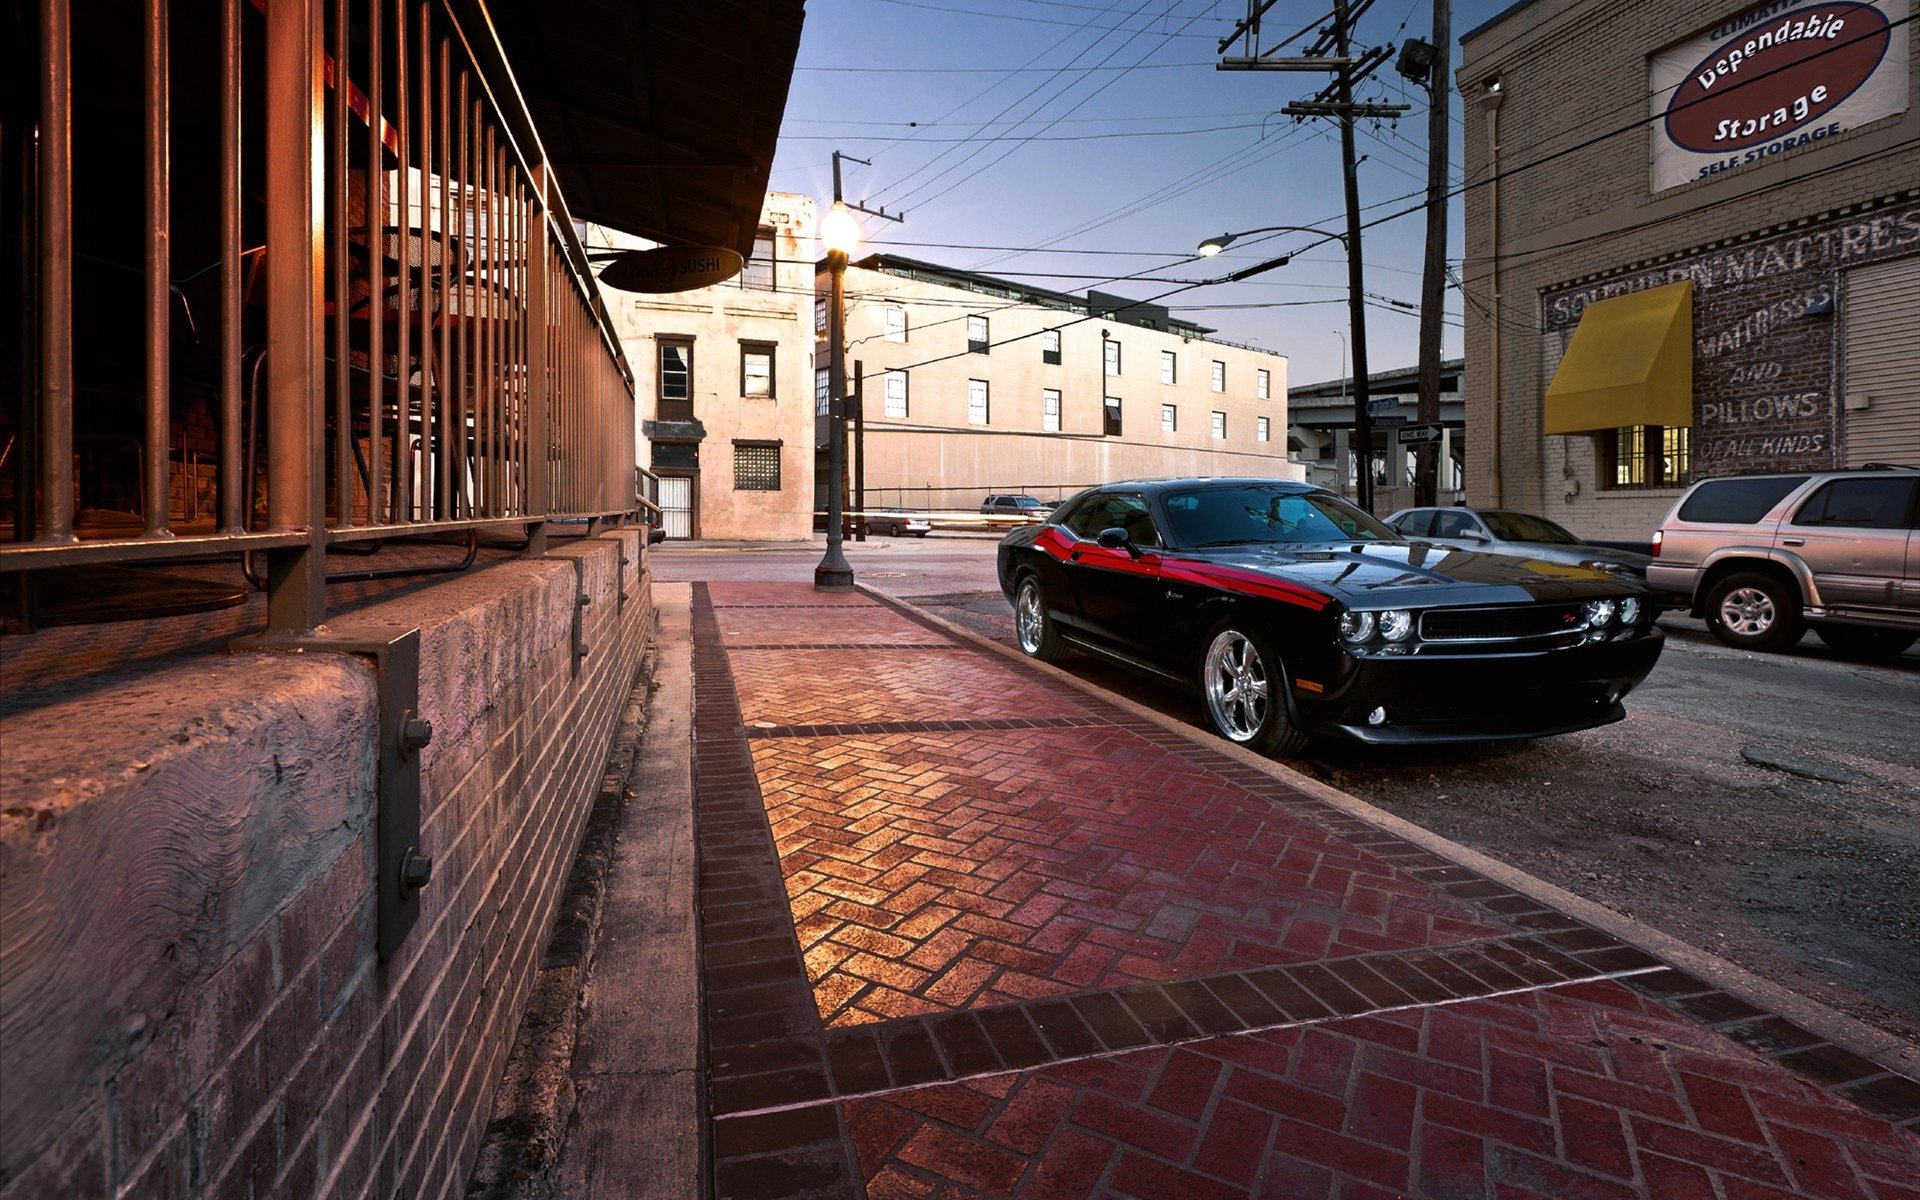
[[1220, 425], [893, 320], [1112, 352], [820, 318], [977, 411], [1050, 410], [1111, 426], [1169, 419], [1169, 367], [1050, 347], [1262, 429], [1645, 456], [756, 370], [822, 391], [756, 466], [757, 275], [1219, 376], [1263, 384], [977, 335], [896, 392], [676, 379]]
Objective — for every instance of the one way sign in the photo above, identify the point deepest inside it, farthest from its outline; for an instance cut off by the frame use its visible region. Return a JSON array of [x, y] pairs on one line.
[[1419, 433]]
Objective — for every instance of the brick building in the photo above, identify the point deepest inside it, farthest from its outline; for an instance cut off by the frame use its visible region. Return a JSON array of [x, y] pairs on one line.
[[976, 385], [1693, 249]]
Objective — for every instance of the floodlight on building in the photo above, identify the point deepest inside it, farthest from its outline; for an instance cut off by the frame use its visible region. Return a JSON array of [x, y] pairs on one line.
[[1416, 60]]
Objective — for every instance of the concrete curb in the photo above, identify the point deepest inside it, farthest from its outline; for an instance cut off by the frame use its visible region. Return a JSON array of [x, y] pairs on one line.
[[1889, 1051]]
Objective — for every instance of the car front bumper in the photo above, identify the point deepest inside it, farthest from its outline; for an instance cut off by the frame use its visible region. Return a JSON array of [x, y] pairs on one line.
[[1425, 700]]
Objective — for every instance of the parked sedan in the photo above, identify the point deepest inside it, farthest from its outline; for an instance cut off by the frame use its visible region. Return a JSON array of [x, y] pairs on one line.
[[1507, 532], [1298, 615], [895, 523]]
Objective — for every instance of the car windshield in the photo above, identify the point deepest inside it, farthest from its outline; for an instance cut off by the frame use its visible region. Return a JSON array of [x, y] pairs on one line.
[[1524, 527], [1231, 516]]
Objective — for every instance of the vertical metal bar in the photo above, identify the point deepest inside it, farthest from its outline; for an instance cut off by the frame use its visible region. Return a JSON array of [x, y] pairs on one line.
[[522, 388], [376, 222], [401, 484], [159, 382], [538, 280], [469, 459], [424, 152], [56, 273], [491, 361], [232, 497], [296, 495], [452, 440], [339, 177]]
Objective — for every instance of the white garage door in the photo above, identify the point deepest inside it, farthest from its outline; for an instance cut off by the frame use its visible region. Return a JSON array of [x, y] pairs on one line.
[[1881, 375]]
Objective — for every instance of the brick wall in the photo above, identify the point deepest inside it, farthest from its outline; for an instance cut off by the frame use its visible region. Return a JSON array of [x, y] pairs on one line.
[[1573, 213], [200, 1011]]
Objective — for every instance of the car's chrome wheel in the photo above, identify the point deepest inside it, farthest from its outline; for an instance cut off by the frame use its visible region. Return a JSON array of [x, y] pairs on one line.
[[1033, 625], [1237, 689], [1748, 611]]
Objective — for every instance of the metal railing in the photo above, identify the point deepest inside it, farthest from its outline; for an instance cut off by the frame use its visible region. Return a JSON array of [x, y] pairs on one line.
[[361, 299]]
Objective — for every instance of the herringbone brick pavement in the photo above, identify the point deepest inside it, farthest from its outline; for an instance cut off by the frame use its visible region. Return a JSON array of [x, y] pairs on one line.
[[824, 687], [1584, 1091], [932, 871], [785, 595], [846, 625]]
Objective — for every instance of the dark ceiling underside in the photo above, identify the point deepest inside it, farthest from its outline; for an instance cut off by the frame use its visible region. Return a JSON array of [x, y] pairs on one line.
[[658, 116]]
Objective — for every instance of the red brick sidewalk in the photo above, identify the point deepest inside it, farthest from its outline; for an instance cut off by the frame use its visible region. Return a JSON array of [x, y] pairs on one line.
[[970, 931]]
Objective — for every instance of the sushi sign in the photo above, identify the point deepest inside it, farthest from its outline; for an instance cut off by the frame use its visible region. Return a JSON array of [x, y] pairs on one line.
[[1772, 79]]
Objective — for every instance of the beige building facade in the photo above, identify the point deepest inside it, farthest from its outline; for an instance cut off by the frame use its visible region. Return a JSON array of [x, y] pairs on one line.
[[975, 386], [1693, 249], [723, 381]]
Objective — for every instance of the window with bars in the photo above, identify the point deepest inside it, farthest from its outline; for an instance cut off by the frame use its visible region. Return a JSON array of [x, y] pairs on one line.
[[1263, 384], [977, 335], [756, 370], [893, 323], [895, 387], [1220, 425], [822, 391], [820, 317], [1169, 367], [756, 466], [1646, 456], [978, 412], [1219, 376], [758, 274], [676, 379], [1050, 410], [1050, 347], [1169, 419]]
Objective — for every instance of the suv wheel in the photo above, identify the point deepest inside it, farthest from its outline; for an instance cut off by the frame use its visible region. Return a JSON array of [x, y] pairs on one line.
[[1754, 611], [1853, 641]]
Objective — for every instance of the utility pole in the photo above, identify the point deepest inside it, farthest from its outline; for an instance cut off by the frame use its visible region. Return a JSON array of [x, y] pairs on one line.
[[1433, 283], [1332, 50]]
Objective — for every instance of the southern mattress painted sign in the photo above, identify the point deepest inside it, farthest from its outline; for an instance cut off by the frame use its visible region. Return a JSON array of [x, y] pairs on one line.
[[1777, 77]]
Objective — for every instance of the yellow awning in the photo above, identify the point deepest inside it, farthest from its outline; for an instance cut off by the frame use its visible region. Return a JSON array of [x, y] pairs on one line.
[[1630, 363]]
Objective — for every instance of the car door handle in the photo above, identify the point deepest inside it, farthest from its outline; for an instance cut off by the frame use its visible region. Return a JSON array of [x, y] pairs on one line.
[[1793, 541]]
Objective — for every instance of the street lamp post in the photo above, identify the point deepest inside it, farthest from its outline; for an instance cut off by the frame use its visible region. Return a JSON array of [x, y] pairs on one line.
[[840, 235], [1356, 318]]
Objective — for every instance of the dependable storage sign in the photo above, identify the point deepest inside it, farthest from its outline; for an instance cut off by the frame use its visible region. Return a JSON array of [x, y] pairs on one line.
[[1774, 78]]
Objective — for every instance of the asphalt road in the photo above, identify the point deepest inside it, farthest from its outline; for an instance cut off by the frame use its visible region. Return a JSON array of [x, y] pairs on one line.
[[1765, 807]]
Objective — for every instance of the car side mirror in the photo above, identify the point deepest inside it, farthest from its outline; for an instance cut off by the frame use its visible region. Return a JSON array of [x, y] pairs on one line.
[[655, 535], [1115, 538]]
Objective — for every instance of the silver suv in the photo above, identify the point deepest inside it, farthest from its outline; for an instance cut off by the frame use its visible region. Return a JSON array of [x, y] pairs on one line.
[[1763, 556]]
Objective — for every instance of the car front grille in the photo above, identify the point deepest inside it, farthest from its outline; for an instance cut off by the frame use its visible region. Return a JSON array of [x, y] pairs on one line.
[[1509, 623]]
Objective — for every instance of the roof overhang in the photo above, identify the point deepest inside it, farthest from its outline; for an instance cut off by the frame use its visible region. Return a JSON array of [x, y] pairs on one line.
[[657, 117]]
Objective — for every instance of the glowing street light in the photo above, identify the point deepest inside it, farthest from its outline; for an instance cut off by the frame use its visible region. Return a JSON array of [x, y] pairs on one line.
[[840, 236]]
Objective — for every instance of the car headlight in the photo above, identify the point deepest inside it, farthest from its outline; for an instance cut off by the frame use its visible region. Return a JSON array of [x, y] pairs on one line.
[[1630, 610], [1356, 627], [1600, 613], [1396, 624]]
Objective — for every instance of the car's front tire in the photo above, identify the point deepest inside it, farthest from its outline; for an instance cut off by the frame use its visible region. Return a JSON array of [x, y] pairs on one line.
[[1033, 625], [1244, 690], [1750, 610], [1854, 641]]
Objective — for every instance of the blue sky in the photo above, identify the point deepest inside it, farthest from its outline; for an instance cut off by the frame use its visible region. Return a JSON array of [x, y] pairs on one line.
[[1115, 133]]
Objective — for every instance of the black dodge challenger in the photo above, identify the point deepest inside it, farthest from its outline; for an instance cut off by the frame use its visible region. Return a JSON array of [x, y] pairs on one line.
[[1297, 614]]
